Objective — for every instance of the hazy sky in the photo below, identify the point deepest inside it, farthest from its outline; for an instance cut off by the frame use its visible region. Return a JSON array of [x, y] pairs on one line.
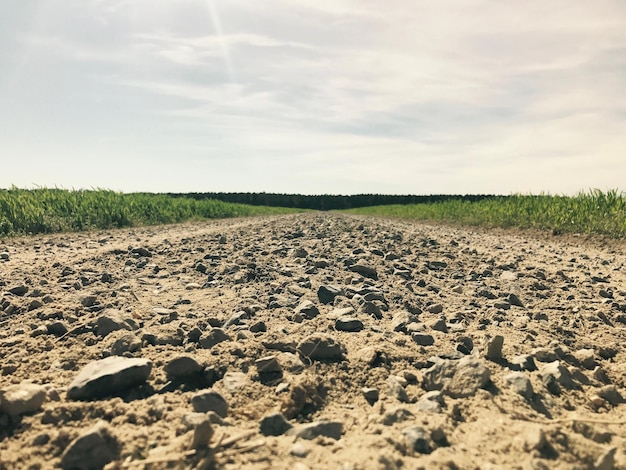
[[314, 96]]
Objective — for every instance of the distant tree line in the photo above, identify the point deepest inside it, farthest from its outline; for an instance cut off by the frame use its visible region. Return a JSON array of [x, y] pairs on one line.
[[326, 202]]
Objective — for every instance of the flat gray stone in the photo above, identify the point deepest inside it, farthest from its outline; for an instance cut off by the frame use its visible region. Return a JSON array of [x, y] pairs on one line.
[[92, 450], [423, 339], [20, 399], [326, 294], [111, 320], [108, 376], [364, 270], [417, 439]]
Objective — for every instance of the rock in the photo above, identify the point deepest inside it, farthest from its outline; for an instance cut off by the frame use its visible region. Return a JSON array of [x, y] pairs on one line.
[[21, 399], [587, 358], [19, 290], [202, 434], [332, 429], [559, 372], [182, 366], [326, 294], [435, 308], [606, 461], [417, 439], [370, 394], [610, 394], [402, 319], [57, 328], [364, 270], [212, 337], [122, 343], [396, 389], [439, 324], [423, 339], [431, 402], [109, 376], [351, 324], [267, 365], [396, 415], [307, 309], [373, 308], [520, 383], [209, 400], [141, 251], [110, 320], [298, 450], [465, 344], [274, 424], [514, 300], [493, 348], [321, 347], [92, 450], [544, 354], [469, 376]]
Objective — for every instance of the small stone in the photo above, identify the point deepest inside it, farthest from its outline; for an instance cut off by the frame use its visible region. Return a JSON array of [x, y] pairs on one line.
[[19, 290], [435, 308], [202, 434], [212, 337], [110, 320], [524, 362], [21, 399], [209, 400], [298, 450], [397, 415], [57, 328], [397, 390], [109, 376], [350, 324], [610, 394], [559, 372], [520, 382], [418, 439], [274, 425], [493, 348], [267, 364], [123, 343], [307, 309], [141, 251], [327, 294], [423, 339], [332, 429], [320, 347], [587, 358], [606, 461], [544, 355], [370, 394], [182, 366], [469, 376], [514, 300], [364, 270], [92, 450]]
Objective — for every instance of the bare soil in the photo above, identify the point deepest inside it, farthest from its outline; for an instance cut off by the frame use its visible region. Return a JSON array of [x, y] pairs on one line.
[[405, 283]]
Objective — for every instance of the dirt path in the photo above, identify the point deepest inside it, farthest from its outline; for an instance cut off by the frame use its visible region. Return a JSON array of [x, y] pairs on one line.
[[311, 341]]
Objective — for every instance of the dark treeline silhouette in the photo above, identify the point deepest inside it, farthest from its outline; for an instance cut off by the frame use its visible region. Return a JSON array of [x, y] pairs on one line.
[[325, 202]]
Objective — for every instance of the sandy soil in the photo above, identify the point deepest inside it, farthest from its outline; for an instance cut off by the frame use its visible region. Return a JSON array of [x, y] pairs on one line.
[[420, 347]]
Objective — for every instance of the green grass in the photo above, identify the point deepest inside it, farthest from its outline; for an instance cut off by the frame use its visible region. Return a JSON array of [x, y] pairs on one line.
[[592, 212], [30, 211]]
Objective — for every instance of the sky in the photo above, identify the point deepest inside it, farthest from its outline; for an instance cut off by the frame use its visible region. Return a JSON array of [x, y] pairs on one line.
[[314, 96]]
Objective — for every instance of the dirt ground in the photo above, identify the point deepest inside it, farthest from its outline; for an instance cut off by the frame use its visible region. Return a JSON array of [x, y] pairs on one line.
[[312, 341]]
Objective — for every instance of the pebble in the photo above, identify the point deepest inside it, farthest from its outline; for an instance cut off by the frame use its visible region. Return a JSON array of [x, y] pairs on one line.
[[332, 429], [111, 320], [307, 309], [21, 399], [93, 449], [108, 376], [423, 339], [520, 383], [209, 400], [321, 347], [350, 324], [418, 439], [370, 394], [267, 365], [274, 424], [299, 450], [365, 270], [327, 293], [493, 348], [213, 337], [181, 367]]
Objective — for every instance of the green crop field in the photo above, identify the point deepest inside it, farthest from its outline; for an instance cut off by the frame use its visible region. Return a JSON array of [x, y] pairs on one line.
[[25, 211], [592, 212]]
